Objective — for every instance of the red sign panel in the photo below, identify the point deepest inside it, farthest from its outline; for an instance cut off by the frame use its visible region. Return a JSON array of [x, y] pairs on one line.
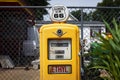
[[59, 69]]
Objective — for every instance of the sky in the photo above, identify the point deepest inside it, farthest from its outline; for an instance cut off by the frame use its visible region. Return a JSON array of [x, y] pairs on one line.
[[78, 3]]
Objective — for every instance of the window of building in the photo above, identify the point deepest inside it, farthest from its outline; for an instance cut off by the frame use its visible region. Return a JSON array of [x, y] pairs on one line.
[[94, 30]]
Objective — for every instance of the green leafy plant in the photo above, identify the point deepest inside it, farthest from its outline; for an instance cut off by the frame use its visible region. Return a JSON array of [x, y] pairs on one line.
[[107, 55]]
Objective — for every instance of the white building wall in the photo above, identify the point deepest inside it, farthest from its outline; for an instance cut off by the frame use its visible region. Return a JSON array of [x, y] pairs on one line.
[[86, 33]]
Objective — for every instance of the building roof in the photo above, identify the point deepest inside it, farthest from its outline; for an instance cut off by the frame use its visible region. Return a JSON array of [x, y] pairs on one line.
[[14, 3], [85, 23], [11, 3]]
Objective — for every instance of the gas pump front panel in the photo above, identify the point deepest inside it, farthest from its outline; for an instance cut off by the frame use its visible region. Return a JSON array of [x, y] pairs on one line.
[[59, 58], [59, 49]]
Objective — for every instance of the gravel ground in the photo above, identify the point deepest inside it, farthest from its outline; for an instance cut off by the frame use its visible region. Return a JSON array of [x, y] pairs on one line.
[[19, 74]]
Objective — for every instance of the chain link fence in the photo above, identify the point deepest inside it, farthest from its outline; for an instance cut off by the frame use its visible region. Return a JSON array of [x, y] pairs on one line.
[[19, 45]]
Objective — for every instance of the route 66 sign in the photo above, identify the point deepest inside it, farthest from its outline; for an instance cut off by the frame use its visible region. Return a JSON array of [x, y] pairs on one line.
[[59, 13]]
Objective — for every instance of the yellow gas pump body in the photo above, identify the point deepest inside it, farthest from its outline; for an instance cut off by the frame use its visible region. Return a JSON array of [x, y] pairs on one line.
[[59, 59]]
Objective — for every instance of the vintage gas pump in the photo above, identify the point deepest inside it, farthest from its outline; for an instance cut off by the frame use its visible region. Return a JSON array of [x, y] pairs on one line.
[[59, 48]]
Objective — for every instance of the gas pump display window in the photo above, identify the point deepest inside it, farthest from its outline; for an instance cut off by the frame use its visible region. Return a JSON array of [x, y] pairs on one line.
[[59, 49], [59, 44]]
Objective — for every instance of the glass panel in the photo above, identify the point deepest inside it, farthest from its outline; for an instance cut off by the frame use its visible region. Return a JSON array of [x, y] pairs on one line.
[[59, 49], [59, 69]]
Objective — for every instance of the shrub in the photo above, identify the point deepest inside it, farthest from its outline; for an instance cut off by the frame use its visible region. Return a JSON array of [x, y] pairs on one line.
[[107, 55]]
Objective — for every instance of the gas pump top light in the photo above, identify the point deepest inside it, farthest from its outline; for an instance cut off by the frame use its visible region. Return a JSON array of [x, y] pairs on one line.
[[59, 13]]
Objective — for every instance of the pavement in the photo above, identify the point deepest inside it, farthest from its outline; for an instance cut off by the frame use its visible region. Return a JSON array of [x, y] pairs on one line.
[[19, 74]]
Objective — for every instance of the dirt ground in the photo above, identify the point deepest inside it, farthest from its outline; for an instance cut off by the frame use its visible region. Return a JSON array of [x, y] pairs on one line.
[[19, 74]]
